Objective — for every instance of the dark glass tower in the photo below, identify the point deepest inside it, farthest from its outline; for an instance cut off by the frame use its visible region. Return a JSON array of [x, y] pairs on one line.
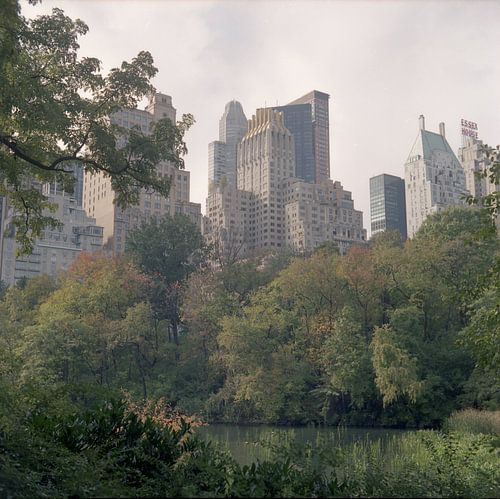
[[298, 120], [321, 131], [387, 204]]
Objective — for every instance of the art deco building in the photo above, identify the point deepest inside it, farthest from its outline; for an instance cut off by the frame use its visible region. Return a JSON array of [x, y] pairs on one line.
[[99, 197], [266, 156], [56, 249], [434, 178], [387, 204], [272, 208], [222, 153], [321, 131]]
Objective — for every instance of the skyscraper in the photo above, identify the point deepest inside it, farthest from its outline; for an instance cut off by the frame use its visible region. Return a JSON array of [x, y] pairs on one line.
[[262, 174], [298, 119], [217, 163], [387, 204], [321, 131], [98, 197], [222, 154], [434, 178], [272, 208]]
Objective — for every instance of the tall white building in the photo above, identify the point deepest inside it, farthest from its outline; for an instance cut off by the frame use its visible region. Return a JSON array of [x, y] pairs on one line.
[[434, 178], [98, 195], [222, 154]]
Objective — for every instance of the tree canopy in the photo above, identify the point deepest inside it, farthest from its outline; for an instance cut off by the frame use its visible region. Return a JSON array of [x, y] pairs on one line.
[[54, 114]]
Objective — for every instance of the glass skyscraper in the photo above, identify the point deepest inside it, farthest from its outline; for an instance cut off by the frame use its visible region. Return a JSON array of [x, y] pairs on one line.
[[298, 119], [387, 204], [321, 131]]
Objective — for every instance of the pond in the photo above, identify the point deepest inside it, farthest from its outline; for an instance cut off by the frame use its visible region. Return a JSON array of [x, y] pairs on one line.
[[244, 441]]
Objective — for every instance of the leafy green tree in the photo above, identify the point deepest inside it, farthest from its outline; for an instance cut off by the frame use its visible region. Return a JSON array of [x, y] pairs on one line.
[[94, 329], [365, 285], [168, 250], [396, 372], [346, 361], [265, 374], [54, 110], [482, 334], [313, 286]]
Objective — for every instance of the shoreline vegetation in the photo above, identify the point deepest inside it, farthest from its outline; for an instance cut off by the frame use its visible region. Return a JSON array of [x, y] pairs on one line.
[[123, 449]]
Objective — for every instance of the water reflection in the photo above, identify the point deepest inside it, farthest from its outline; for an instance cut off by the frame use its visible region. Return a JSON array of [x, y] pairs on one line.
[[249, 443]]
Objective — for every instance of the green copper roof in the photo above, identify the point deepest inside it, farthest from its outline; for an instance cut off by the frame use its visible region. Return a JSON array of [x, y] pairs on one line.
[[426, 142]]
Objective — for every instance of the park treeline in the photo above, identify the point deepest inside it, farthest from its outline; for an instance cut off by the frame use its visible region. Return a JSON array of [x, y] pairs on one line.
[[98, 367], [392, 334]]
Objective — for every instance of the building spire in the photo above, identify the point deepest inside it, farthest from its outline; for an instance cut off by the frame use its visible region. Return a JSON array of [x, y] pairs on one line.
[[421, 122]]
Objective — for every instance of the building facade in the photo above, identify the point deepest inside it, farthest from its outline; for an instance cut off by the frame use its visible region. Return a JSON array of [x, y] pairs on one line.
[[434, 178], [320, 212], [321, 131], [217, 163], [272, 208], [222, 153], [387, 204], [98, 196], [476, 157], [56, 249], [226, 228], [298, 119], [266, 156]]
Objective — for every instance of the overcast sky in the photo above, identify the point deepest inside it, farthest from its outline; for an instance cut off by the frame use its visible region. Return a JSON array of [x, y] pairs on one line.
[[383, 63]]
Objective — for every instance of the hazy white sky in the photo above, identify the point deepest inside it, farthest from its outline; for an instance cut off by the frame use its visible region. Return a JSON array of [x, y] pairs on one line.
[[383, 63]]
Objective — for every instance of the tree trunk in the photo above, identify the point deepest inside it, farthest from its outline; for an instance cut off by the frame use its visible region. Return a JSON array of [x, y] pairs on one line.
[[141, 371]]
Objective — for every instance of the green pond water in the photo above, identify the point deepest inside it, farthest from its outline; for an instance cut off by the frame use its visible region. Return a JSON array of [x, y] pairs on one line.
[[245, 442]]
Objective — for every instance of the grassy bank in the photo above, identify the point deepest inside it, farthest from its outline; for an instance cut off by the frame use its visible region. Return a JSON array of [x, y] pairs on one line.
[[420, 464], [474, 421]]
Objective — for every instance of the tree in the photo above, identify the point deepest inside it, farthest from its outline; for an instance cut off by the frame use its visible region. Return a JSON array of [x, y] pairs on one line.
[[54, 114], [168, 250], [345, 359], [365, 284], [95, 328], [396, 371], [266, 376]]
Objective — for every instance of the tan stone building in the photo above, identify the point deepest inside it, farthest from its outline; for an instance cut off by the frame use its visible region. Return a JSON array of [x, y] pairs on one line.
[[98, 196], [476, 157], [315, 213], [266, 156], [226, 225]]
